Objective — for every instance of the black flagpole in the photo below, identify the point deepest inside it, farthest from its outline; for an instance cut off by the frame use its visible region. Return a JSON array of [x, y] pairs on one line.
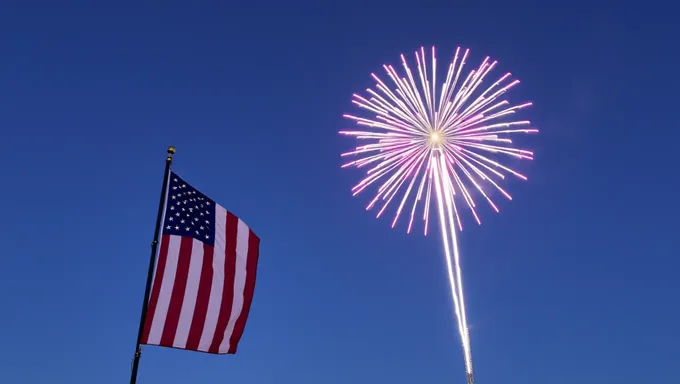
[[152, 262]]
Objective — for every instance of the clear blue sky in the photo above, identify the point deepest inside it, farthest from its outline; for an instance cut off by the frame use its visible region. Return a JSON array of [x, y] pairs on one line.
[[575, 280]]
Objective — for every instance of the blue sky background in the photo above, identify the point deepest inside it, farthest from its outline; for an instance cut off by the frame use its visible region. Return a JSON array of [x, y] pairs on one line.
[[575, 280]]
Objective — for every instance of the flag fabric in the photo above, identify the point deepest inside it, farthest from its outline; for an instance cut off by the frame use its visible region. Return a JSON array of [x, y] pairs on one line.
[[205, 275]]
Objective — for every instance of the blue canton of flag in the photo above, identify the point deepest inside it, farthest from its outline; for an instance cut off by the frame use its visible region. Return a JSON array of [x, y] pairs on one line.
[[189, 212]]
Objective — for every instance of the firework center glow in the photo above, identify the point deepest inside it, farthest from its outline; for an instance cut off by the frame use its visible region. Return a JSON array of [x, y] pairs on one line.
[[435, 138]]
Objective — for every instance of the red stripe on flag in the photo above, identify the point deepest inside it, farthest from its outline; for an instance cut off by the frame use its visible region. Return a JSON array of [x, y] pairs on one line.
[[248, 290], [177, 296], [156, 289], [202, 299], [228, 288]]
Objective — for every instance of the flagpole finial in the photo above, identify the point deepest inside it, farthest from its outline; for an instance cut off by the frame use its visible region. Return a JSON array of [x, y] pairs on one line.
[[171, 151]]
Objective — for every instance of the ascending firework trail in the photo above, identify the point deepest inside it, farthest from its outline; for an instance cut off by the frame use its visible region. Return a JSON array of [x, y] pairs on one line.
[[424, 143]]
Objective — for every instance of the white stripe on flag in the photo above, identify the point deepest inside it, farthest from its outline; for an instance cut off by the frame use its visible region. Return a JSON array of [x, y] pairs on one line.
[[239, 282], [190, 295], [215, 300], [167, 284]]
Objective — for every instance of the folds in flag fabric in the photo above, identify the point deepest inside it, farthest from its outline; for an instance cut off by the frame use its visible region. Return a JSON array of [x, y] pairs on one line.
[[205, 275]]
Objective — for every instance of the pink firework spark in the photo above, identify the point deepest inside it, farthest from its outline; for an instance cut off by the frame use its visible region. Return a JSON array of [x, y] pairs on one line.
[[430, 144]]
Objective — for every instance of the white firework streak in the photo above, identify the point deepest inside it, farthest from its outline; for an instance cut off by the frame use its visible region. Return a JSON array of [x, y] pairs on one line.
[[423, 144]]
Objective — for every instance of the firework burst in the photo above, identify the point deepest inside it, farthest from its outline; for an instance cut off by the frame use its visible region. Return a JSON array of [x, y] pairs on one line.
[[429, 145]]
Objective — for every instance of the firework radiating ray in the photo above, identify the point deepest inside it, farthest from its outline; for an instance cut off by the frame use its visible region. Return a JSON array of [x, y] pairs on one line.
[[428, 142]]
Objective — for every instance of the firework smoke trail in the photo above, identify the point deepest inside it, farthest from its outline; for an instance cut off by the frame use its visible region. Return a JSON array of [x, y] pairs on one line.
[[424, 144]]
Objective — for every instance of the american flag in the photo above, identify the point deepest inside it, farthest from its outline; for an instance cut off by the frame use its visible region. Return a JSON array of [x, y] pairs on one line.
[[205, 275]]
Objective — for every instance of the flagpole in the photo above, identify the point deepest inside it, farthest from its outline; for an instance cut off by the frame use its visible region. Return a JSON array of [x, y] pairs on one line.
[[152, 262]]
